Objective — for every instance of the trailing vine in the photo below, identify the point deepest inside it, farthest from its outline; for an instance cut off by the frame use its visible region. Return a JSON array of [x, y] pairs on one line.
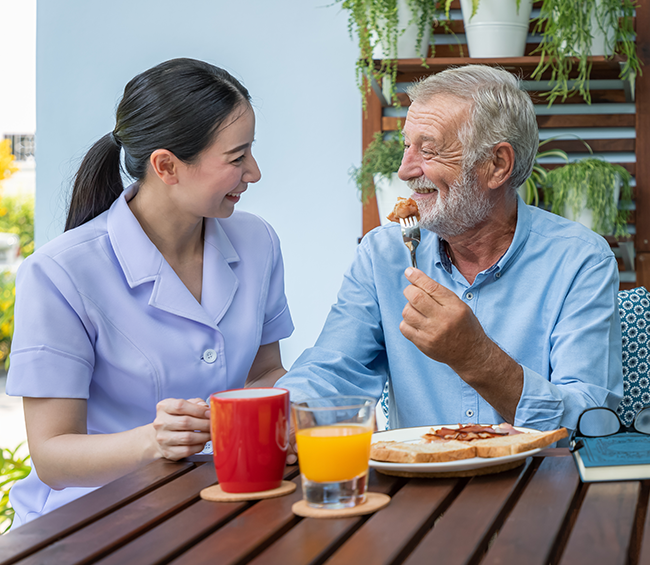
[[566, 31], [591, 182], [375, 22]]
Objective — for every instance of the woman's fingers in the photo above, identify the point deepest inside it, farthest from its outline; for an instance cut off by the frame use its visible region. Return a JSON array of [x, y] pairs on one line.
[[182, 427]]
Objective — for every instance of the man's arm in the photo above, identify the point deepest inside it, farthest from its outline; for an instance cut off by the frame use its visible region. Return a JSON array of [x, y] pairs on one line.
[[445, 329]]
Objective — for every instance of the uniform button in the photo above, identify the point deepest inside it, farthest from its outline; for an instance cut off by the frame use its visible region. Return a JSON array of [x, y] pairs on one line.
[[469, 295], [469, 413], [209, 356]]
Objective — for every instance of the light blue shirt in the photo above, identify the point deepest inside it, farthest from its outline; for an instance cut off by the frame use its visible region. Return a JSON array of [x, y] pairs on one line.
[[100, 315], [550, 302]]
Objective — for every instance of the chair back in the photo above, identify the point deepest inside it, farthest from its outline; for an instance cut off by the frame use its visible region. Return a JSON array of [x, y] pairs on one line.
[[634, 307]]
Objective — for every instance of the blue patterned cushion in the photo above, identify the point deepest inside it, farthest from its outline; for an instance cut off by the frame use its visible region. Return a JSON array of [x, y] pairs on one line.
[[634, 307]]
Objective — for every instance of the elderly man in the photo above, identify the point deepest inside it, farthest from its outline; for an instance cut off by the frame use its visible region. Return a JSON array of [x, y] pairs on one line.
[[512, 315]]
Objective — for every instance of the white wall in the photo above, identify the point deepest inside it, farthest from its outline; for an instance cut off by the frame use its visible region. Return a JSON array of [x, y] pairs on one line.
[[18, 67], [296, 59]]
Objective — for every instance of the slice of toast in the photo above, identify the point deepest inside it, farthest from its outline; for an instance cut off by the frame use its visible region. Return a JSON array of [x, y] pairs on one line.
[[454, 450], [511, 445], [438, 452]]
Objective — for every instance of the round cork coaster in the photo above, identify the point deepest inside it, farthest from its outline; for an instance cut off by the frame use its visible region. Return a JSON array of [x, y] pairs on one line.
[[374, 501], [466, 473], [216, 494]]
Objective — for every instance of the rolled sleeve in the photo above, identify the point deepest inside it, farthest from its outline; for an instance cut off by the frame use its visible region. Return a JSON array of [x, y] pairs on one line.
[[585, 357]]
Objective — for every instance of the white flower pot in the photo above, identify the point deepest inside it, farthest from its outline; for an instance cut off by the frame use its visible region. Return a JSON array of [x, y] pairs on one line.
[[601, 43], [497, 29], [585, 216], [407, 38], [387, 190]]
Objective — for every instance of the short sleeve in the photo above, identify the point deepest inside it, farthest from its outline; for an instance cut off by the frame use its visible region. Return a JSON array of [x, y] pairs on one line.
[[52, 349], [277, 317]]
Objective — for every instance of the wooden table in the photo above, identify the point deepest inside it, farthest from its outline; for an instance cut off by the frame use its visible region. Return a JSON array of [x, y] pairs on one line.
[[536, 514]]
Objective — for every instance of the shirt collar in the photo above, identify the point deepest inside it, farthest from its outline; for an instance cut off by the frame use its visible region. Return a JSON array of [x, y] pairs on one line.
[[522, 231]]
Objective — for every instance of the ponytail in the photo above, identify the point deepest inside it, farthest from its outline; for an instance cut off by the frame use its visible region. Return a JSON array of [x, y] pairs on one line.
[[97, 184], [178, 105]]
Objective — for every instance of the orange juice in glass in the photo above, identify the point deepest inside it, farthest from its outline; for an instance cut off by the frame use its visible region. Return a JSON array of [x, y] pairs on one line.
[[333, 437]]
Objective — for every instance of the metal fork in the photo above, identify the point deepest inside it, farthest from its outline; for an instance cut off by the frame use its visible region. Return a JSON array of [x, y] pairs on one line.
[[411, 235]]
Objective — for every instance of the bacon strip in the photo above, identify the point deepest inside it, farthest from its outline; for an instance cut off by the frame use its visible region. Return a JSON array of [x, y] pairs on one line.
[[469, 432]]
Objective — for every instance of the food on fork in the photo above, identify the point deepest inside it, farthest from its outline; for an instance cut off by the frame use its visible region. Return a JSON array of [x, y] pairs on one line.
[[405, 208], [464, 442]]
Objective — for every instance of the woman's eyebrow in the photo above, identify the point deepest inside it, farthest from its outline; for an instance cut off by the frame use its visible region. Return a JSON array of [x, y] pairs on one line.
[[238, 148]]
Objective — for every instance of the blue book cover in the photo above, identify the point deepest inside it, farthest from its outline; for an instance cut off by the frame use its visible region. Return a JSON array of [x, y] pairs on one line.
[[616, 450]]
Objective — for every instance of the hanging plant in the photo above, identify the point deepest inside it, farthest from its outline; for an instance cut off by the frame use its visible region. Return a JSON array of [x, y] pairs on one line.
[[376, 23], [538, 175], [591, 183], [567, 31], [384, 157]]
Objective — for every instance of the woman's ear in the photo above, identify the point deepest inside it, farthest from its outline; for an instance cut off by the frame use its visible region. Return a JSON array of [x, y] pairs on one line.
[[165, 165], [501, 165]]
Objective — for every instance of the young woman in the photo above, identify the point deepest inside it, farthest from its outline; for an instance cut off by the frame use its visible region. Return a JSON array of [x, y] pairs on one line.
[[156, 295]]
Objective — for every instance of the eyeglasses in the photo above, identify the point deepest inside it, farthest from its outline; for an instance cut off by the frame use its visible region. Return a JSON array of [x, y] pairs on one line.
[[603, 422]]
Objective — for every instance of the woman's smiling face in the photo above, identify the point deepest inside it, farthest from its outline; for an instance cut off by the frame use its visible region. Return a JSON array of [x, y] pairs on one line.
[[212, 185]]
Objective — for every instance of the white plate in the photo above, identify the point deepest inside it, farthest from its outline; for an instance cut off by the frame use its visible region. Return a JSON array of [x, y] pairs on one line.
[[415, 435]]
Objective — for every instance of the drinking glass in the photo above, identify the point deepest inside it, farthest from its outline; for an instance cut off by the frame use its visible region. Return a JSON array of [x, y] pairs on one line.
[[333, 437]]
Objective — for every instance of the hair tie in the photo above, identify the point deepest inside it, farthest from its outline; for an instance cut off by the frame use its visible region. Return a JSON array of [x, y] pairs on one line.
[[116, 141]]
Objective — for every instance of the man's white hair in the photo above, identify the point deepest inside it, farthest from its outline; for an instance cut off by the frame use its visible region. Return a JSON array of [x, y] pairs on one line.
[[500, 111]]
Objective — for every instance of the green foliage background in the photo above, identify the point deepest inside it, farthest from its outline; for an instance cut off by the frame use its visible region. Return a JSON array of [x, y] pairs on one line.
[[13, 467], [16, 216]]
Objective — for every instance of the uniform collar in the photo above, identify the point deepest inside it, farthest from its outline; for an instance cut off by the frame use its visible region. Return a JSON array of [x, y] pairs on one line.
[[141, 263]]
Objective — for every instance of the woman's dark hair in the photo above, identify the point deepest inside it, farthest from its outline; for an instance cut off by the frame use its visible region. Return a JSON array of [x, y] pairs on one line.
[[177, 105]]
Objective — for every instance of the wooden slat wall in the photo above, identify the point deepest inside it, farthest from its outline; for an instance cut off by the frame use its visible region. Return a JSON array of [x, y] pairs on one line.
[[616, 124]]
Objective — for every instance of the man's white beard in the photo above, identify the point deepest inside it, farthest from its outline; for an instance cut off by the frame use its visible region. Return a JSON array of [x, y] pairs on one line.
[[464, 206]]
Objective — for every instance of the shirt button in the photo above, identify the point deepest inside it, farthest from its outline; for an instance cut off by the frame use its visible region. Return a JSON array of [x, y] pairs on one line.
[[469, 295], [469, 413], [497, 276], [209, 356]]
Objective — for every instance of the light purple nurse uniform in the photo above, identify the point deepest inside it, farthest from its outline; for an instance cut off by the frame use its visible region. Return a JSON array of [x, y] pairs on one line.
[[101, 315]]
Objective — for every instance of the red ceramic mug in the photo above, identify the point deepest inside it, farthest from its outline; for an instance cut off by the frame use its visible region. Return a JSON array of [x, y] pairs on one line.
[[250, 437]]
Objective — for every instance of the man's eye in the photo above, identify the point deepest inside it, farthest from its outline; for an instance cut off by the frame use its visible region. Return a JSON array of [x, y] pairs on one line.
[[239, 159]]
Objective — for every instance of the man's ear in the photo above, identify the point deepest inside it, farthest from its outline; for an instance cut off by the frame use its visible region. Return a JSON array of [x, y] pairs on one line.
[[165, 165], [500, 167]]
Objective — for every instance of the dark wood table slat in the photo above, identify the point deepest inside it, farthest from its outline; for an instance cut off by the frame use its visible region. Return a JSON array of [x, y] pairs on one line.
[[465, 529], [603, 529], [530, 533], [175, 535], [73, 516], [108, 533], [536, 514], [254, 528], [180, 532], [312, 540], [393, 532]]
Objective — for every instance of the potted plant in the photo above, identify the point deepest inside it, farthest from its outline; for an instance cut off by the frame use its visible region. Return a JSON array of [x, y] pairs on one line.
[[589, 191], [529, 191], [377, 174], [571, 32], [495, 28], [388, 30]]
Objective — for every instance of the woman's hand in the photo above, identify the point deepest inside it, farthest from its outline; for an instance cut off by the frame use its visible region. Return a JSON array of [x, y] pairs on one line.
[[292, 451], [182, 427]]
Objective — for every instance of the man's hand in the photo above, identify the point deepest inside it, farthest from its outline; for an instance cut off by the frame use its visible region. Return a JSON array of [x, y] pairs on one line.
[[445, 329], [441, 325]]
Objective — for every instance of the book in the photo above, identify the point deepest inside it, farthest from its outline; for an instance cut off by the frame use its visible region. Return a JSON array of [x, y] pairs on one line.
[[620, 457]]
